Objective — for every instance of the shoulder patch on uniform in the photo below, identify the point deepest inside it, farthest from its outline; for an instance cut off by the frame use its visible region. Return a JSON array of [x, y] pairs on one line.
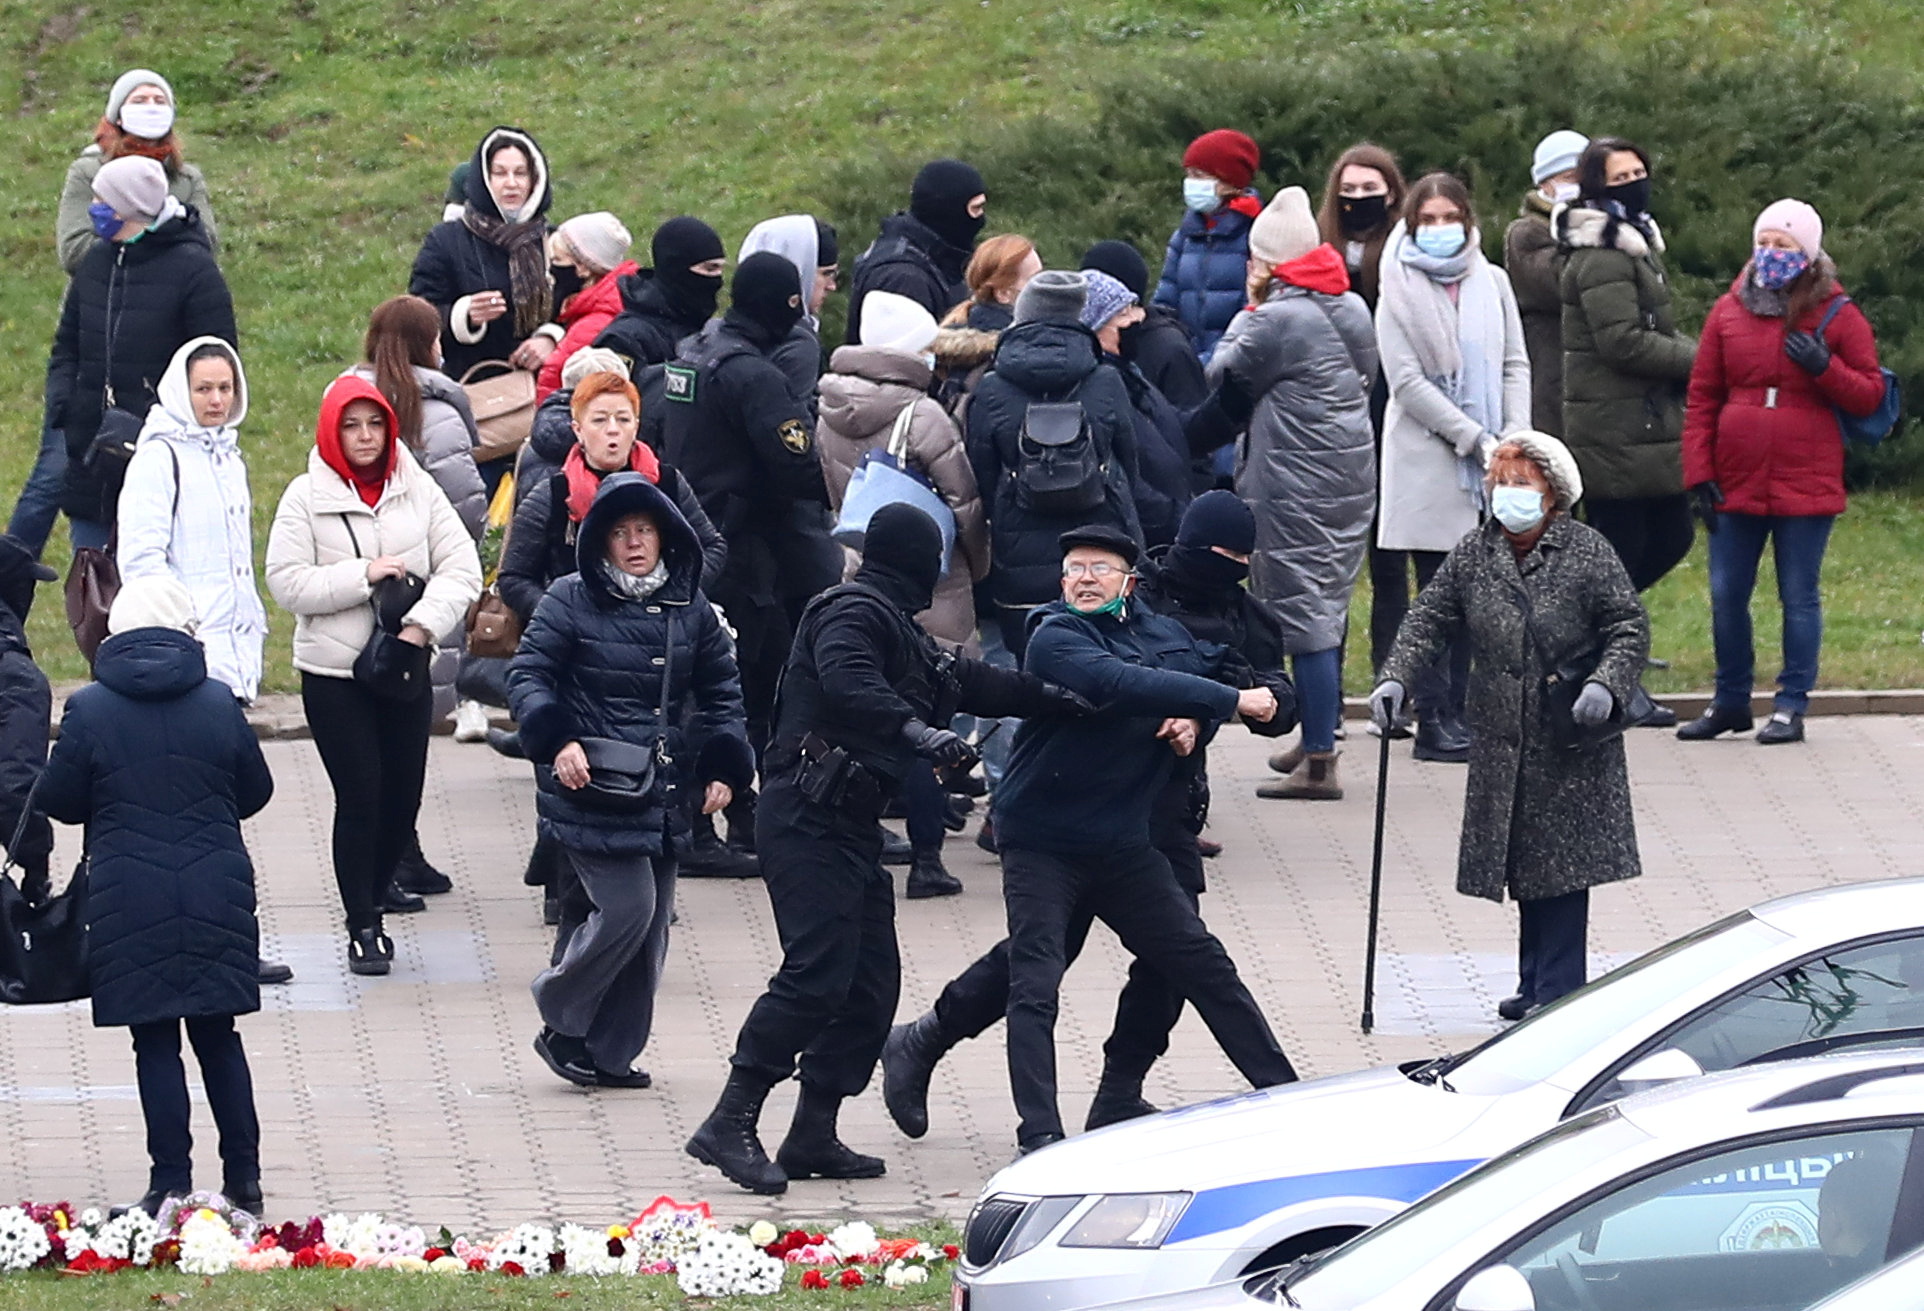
[[678, 383], [794, 435]]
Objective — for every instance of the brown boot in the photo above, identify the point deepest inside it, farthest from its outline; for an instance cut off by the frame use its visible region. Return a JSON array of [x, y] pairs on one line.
[[1288, 759], [1313, 780]]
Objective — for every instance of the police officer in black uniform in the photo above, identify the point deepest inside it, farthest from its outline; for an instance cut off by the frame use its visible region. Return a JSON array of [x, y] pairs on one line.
[[864, 693], [744, 441]]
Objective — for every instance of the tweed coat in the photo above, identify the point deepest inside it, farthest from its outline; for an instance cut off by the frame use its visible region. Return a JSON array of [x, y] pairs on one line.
[[1538, 821]]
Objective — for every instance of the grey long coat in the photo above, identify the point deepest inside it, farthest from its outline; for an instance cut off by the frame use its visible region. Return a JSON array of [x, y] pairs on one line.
[[1307, 465], [1537, 821]]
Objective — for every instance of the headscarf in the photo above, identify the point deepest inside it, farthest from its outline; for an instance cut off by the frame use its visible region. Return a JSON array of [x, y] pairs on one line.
[[523, 235], [172, 414]]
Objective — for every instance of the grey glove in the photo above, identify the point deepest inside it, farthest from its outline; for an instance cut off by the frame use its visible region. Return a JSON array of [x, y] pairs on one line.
[[1386, 703], [1594, 704]]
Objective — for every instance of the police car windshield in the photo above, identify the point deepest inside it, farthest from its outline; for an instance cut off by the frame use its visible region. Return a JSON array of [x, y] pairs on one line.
[[1549, 1040], [1375, 1262]]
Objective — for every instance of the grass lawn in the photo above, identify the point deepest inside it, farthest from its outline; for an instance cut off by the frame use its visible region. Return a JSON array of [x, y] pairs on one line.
[[327, 131], [376, 1290]]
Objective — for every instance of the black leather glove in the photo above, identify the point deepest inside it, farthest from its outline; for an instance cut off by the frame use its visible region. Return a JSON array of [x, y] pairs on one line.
[[1704, 500], [941, 745], [1237, 404], [35, 885], [1807, 351], [1062, 701]]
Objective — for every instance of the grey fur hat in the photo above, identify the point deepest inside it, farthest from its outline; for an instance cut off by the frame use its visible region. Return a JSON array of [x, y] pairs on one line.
[[1052, 296], [1554, 458]]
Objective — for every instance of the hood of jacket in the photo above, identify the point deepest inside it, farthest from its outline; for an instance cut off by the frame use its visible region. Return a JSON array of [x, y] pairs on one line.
[[172, 414], [151, 664], [647, 296], [793, 237], [950, 258], [961, 349], [864, 388], [481, 200], [1535, 204], [181, 230], [1583, 226], [1047, 359], [630, 493], [340, 393], [553, 432]]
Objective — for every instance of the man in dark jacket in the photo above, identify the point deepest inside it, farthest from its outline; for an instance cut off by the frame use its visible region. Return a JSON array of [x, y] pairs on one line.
[[1047, 359], [149, 286], [665, 305], [1198, 583], [1158, 343], [865, 693], [26, 719], [923, 252]]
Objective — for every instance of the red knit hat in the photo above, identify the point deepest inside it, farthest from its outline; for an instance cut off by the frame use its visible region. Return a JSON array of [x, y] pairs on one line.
[[1224, 154]]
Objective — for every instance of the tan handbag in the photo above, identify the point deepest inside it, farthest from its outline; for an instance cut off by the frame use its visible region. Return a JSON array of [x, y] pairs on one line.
[[503, 408]]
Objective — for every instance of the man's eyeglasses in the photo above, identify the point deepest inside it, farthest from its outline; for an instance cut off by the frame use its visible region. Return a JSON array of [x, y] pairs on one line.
[[1096, 569]]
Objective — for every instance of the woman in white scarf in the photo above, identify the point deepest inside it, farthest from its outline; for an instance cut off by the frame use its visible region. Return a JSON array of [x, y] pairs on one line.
[[185, 510], [1459, 378]]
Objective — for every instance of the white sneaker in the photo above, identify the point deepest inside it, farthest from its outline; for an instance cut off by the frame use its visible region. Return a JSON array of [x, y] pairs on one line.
[[470, 722]]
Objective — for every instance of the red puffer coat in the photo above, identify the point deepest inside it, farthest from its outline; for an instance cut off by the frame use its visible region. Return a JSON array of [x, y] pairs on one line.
[[1758, 425], [584, 315]]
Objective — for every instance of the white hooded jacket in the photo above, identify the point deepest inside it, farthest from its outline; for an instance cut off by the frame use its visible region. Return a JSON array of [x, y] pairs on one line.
[[185, 511]]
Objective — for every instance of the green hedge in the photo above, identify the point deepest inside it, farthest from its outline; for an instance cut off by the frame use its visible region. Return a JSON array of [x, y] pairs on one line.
[[1728, 136]]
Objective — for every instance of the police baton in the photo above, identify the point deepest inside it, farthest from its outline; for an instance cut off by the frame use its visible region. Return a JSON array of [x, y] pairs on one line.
[[1376, 884]]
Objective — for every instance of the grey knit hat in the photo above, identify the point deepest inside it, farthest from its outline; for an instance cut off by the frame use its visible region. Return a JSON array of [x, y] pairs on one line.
[[1107, 298], [1052, 296], [125, 85], [134, 185], [1554, 458]]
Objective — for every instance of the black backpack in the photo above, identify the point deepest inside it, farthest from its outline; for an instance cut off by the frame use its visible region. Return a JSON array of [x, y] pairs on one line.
[[1058, 470]]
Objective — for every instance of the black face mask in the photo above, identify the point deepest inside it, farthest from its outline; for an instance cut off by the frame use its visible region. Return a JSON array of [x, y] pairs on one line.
[[1205, 569], [567, 281], [692, 294], [1633, 196], [1129, 339], [1362, 215]]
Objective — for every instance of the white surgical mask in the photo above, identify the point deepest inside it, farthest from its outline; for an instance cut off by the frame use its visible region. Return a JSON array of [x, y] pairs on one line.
[[1200, 195], [145, 120], [1517, 508], [1563, 192]]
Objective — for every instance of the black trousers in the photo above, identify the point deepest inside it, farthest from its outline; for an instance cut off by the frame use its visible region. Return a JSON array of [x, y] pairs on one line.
[[1389, 598], [1132, 890], [376, 755], [1650, 533], [1441, 689], [763, 634], [829, 1007], [926, 803], [163, 1101], [1551, 937]]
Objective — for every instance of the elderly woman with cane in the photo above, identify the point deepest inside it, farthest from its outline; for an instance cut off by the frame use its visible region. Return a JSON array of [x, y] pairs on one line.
[[1557, 639]]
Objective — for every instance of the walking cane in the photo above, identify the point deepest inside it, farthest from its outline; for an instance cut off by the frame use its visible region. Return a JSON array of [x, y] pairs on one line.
[[1376, 884]]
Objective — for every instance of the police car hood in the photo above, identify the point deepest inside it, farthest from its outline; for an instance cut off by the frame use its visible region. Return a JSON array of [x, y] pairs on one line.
[[1350, 1123]]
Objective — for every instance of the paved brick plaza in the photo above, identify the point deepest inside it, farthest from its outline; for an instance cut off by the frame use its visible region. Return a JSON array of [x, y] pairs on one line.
[[418, 1094]]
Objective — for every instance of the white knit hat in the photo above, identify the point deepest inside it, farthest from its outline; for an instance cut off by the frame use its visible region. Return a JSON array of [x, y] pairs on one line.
[[590, 359], [1554, 458], [153, 601], [599, 238], [125, 84], [1285, 230], [896, 323], [1557, 153], [1794, 219], [134, 186]]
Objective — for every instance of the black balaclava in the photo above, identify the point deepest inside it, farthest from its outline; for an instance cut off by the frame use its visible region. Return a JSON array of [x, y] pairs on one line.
[[827, 251], [677, 244], [902, 556], [940, 199], [1218, 518], [767, 291]]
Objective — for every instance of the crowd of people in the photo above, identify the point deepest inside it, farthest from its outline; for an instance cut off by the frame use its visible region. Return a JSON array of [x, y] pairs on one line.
[[1067, 523]]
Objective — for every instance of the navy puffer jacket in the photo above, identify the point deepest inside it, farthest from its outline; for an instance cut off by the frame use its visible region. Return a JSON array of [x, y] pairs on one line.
[[158, 761], [591, 665], [1205, 273]]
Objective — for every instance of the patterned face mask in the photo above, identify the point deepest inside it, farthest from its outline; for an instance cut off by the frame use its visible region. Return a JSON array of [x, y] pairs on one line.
[[1776, 269]]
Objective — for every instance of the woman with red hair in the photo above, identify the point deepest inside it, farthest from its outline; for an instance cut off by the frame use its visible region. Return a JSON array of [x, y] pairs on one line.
[[139, 121]]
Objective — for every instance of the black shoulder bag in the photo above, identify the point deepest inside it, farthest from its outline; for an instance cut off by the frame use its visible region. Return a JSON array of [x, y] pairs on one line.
[[43, 953], [622, 777], [1562, 684], [389, 666]]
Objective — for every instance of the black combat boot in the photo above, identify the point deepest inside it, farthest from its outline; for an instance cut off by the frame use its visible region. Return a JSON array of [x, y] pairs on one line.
[[909, 1058], [813, 1151], [1118, 1098], [929, 877], [727, 1139]]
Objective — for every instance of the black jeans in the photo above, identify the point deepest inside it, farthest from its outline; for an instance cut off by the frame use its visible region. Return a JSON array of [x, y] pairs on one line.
[[1131, 890], [833, 999], [376, 755], [163, 1101], [1650, 533], [926, 804], [1389, 599], [1551, 936]]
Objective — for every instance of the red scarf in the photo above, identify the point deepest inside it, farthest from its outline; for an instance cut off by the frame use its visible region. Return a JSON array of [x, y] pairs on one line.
[[584, 482], [1323, 269]]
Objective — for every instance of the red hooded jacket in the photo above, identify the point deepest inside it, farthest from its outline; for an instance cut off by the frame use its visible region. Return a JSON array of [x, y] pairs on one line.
[[1758, 425], [584, 315], [340, 393]]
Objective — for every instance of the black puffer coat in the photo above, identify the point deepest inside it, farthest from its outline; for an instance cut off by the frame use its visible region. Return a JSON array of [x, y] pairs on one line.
[[1162, 456], [161, 292], [910, 259], [651, 325], [591, 665], [158, 761], [26, 713], [1046, 362]]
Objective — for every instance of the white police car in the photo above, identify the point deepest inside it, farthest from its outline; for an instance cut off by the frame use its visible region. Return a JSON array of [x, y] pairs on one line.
[[1898, 1286], [1209, 1193], [1765, 1189]]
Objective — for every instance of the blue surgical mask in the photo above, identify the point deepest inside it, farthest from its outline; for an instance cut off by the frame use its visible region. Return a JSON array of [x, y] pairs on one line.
[[107, 224], [1200, 195], [1517, 508], [1776, 269], [1440, 240]]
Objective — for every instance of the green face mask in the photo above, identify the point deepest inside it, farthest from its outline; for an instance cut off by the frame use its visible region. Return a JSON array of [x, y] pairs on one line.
[[1119, 607]]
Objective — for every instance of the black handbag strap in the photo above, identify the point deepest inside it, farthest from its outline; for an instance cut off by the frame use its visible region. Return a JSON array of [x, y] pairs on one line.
[[20, 828], [667, 682]]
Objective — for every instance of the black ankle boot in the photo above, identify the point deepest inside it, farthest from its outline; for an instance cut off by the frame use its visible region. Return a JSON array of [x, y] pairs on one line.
[[928, 877], [813, 1151], [727, 1139], [1716, 720], [414, 874], [245, 1195], [369, 951], [895, 848], [1443, 740], [909, 1058], [1118, 1098]]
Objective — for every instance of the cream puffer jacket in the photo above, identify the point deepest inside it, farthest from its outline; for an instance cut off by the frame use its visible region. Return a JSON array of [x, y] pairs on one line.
[[315, 571]]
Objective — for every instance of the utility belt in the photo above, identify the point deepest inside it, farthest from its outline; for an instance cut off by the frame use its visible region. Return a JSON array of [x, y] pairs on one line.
[[832, 779]]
